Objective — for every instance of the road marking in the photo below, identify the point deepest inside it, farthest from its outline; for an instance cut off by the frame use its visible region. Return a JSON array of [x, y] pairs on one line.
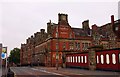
[[43, 70]]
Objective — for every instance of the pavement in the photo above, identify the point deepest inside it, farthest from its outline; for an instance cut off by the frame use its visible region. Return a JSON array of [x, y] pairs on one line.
[[0, 72]]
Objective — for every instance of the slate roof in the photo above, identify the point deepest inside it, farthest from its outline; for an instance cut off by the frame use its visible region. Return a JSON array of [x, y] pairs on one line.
[[81, 32]]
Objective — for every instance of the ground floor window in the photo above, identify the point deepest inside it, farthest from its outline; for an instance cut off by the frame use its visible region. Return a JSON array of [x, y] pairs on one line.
[[102, 59], [107, 59], [79, 59], [119, 57], [113, 58], [73, 59], [97, 59], [68, 59], [85, 59], [76, 59]]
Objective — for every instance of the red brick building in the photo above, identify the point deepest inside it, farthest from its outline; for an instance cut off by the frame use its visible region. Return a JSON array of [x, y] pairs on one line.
[[45, 47]]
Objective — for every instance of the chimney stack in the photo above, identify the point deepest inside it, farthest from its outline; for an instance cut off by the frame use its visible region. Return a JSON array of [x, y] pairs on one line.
[[62, 17], [112, 19], [85, 25], [42, 31]]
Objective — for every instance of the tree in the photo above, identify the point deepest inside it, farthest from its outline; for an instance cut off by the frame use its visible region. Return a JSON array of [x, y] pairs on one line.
[[14, 56]]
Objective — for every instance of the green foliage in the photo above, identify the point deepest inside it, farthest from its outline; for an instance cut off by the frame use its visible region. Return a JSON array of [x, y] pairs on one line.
[[15, 56]]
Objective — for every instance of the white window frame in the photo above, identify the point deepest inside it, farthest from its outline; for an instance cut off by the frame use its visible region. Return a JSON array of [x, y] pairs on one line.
[[68, 59], [76, 59], [79, 59], [107, 59], [85, 59], [102, 59], [113, 58], [73, 59], [119, 57], [97, 59]]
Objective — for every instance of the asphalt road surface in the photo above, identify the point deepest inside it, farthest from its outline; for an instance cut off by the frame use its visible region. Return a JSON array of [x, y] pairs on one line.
[[52, 72], [32, 72]]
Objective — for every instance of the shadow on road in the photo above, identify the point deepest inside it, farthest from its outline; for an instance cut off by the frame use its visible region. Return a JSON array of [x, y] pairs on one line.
[[10, 73]]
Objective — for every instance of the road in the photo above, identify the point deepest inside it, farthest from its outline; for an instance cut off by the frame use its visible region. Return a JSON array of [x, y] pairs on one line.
[[32, 72], [62, 72]]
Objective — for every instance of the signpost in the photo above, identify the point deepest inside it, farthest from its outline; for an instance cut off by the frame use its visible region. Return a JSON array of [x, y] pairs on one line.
[[0, 60], [4, 56]]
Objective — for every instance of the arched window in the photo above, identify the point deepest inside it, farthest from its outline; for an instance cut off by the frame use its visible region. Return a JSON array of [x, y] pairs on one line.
[[73, 59], [97, 59], [81, 59], [68, 59], [102, 59], [119, 57], [113, 59], [76, 59], [107, 59], [85, 59]]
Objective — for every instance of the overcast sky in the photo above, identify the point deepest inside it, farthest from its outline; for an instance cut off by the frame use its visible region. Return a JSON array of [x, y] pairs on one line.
[[21, 19]]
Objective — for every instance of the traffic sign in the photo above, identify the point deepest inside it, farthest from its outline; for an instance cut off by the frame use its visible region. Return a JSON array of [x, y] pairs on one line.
[[3, 55], [4, 49]]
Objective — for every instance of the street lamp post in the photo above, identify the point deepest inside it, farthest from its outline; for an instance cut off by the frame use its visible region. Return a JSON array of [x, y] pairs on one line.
[[6, 61]]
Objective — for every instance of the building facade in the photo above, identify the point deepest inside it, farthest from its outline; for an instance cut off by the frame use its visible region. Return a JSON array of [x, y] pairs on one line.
[[45, 48]]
